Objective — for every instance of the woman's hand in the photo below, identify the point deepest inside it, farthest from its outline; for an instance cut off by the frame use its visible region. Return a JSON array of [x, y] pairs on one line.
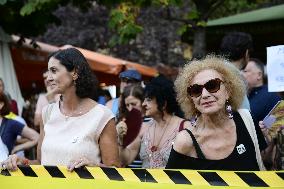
[[121, 129], [83, 161], [264, 130], [11, 163]]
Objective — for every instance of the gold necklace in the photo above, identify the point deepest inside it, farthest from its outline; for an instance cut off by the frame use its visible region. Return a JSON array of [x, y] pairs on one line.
[[154, 147]]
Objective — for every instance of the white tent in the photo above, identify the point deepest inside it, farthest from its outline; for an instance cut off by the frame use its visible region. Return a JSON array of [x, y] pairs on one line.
[[7, 71]]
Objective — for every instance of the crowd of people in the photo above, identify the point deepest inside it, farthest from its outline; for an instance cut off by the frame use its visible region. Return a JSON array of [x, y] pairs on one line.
[[210, 117]]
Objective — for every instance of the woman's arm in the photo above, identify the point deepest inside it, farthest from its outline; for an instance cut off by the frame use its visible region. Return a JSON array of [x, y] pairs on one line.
[[267, 154], [41, 136], [13, 160], [127, 155], [108, 145], [32, 137]]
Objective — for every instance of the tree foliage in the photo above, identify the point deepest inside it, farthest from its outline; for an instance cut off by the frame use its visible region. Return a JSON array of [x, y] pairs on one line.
[[31, 17]]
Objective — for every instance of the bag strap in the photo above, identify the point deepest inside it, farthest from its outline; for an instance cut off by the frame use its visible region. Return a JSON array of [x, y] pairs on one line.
[[196, 146], [246, 116]]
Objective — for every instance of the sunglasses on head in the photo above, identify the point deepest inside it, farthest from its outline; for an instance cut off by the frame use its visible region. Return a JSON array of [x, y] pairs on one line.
[[212, 86]]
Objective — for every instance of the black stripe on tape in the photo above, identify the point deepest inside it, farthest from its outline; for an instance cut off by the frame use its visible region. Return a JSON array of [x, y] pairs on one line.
[[27, 171], [213, 178], [177, 177], [54, 171], [251, 179], [83, 173], [144, 175], [5, 172], [112, 174], [281, 175]]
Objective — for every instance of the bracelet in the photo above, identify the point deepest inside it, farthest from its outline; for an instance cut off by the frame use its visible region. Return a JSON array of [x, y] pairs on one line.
[[25, 161]]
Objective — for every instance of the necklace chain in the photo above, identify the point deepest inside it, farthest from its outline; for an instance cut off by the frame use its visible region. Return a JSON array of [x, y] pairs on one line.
[[155, 147], [77, 111]]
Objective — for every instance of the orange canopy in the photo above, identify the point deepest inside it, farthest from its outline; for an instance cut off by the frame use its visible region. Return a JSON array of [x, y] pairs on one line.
[[30, 63]]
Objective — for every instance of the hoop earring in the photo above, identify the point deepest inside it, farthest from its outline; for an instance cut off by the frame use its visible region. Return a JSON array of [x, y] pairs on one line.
[[229, 109]]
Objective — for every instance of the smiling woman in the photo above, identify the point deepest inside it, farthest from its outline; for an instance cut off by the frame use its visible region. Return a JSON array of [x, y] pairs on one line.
[[220, 137], [75, 130]]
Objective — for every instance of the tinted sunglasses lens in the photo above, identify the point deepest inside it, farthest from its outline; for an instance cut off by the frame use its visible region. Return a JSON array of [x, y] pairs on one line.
[[195, 90], [213, 85]]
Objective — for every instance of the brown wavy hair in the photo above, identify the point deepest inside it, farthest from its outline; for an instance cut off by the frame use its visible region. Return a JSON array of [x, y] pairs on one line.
[[6, 108]]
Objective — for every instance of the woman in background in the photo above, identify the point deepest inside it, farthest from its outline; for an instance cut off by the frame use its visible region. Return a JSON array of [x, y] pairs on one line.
[[155, 139], [130, 114], [10, 129]]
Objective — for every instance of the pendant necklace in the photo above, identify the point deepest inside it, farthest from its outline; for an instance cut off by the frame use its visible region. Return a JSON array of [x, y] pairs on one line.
[[154, 147]]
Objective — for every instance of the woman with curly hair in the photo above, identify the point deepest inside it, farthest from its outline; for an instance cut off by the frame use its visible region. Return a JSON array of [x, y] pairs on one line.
[[221, 136], [75, 131], [155, 139]]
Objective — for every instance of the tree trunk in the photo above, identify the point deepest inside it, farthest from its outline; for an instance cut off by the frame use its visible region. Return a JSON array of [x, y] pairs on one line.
[[199, 43]]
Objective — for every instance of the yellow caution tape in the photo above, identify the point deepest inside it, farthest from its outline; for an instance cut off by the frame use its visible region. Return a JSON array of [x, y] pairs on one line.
[[38, 176]]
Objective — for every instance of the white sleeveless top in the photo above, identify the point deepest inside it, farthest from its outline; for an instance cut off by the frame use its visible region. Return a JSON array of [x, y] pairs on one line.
[[69, 140]]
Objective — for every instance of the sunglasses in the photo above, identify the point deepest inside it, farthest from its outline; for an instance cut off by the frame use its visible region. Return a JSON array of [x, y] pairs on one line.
[[212, 86]]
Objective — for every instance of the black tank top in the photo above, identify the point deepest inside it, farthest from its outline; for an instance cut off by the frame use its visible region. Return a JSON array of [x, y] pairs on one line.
[[243, 156]]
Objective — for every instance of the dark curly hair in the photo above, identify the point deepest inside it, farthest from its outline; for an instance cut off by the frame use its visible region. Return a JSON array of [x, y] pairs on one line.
[[6, 108], [135, 90], [162, 89], [86, 83], [235, 44]]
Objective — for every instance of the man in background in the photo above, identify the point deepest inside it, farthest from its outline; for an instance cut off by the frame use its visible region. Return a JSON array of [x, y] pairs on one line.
[[237, 46], [127, 77], [261, 101]]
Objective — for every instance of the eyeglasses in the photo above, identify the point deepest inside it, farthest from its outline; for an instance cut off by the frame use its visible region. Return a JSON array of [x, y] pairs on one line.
[[212, 86], [128, 80]]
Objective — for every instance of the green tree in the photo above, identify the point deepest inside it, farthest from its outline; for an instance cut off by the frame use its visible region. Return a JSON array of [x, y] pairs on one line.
[[30, 18]]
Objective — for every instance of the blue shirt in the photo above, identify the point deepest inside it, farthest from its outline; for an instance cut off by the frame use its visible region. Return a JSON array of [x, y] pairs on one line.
[[261, 102], [11, 131], [115, 107]]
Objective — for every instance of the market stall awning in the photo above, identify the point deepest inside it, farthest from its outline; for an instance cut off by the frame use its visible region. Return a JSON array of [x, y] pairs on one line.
[[264, 14], [30, 63]]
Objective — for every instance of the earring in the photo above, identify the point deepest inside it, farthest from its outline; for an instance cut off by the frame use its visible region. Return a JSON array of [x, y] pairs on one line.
[[193, 121], [229, 109]]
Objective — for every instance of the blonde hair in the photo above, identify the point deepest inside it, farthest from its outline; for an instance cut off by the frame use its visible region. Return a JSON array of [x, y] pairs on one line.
[[233, 81]]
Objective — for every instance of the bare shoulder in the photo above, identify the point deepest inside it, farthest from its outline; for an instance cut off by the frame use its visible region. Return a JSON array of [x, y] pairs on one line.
[[183, 143], [109, 104]]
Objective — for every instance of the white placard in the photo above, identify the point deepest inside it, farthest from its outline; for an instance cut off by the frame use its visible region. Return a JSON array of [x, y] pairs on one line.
[[275, 68]]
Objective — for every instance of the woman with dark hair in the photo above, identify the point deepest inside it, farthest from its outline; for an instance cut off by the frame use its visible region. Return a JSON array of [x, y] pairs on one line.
[[75, 131], [12, 102], [132, 97], [155, 139], [10, 129]]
